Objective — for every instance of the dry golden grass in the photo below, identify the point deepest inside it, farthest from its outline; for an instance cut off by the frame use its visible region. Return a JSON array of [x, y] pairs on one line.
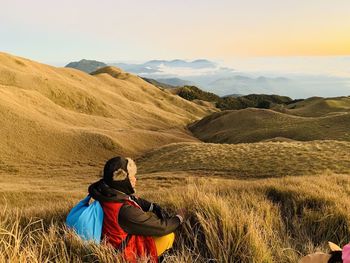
[[316, 107], [230, 218], [251, 160], [254, 125], [261, 220]]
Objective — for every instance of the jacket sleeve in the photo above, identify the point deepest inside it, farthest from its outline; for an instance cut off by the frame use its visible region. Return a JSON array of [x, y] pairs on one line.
[[137, 222], [144, 204]]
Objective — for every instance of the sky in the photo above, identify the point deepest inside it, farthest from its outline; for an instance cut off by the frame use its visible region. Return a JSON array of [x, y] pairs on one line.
[[57, 32]]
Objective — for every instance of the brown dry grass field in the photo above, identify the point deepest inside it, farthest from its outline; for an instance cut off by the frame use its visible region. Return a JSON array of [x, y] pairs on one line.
[[269, 201], [230, 220], [254, 125]]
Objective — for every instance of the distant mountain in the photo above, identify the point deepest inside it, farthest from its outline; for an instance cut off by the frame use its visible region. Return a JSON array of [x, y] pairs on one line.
[[157, 66], [177, 72], [198, 64], [86, 65], [137, 68], [213, 77]]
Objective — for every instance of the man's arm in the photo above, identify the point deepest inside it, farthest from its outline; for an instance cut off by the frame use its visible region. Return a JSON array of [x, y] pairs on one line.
[[150, 207], [137, 222]]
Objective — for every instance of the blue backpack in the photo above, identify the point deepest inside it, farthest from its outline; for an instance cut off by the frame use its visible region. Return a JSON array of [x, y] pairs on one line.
[[87, 219]]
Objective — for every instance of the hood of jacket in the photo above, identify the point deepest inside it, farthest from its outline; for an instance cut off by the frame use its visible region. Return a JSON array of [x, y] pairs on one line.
[[102, 192]]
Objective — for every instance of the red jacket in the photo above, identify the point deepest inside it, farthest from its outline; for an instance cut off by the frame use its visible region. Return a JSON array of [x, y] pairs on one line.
[[137, 246]]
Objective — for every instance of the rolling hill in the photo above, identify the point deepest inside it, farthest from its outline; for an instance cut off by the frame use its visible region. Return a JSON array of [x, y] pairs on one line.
[[50, 114], [254, 125], [316, 106]]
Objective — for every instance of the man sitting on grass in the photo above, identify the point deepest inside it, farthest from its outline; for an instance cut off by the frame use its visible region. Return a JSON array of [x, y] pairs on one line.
[[127, 225]]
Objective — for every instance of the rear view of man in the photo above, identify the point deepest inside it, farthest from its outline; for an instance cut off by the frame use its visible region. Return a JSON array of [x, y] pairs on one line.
[[127, 225]]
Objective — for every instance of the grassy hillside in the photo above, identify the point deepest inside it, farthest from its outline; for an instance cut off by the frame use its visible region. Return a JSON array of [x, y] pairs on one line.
[[53, 114], [192, 93], [315, 107], [250, 160], [254, 125]]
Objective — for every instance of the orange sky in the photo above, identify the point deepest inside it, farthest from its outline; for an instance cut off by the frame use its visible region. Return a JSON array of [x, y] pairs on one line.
[[140, 30]]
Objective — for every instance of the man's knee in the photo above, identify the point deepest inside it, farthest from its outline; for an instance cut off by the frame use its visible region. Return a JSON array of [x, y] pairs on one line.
[[164, 242]]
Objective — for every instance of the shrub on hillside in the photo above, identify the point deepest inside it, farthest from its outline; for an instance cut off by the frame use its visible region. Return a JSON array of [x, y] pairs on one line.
[[231, 102], [265, 104], [192, 92]]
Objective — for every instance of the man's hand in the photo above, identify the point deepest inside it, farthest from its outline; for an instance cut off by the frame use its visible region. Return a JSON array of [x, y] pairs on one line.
[[181, 214]]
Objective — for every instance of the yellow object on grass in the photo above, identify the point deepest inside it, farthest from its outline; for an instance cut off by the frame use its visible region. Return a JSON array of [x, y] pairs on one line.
[[164, 242]]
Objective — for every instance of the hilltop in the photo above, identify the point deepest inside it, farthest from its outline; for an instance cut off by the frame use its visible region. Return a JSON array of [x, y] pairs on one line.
[[86, 65]]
